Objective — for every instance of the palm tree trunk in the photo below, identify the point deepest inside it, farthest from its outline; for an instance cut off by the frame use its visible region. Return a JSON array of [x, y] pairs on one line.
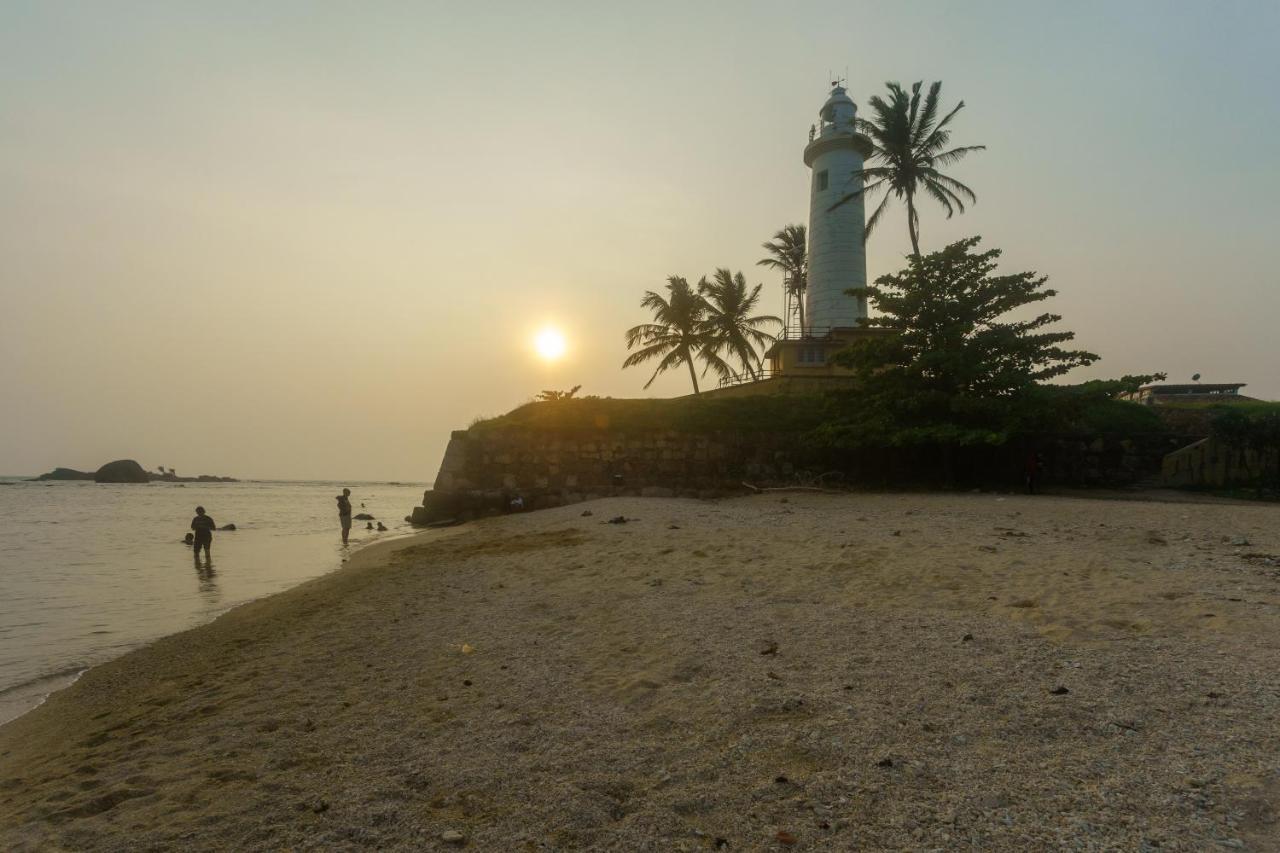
[[911, 225], [688, 360], [800, 302]]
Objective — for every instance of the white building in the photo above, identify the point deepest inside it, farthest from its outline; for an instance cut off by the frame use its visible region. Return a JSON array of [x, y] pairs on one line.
[[800, 360], [837, 256]]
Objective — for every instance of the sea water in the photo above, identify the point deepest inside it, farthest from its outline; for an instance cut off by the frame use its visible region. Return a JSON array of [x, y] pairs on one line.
[[90, 571]]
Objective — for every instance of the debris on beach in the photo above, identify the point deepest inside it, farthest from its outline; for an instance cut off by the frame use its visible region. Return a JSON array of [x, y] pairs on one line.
[[768, 647], [1059, 691], [452, 836], [785, 837], [466, 648], [586, 513], [619, 519]]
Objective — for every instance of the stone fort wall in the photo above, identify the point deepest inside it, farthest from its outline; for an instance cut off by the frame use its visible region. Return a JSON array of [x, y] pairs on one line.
[[483, 470]]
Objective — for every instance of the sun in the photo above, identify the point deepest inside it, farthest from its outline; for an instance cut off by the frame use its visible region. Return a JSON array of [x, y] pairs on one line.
[[550, 343]]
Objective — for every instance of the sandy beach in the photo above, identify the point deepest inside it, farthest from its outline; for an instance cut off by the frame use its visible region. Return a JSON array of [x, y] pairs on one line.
[[864, 671]]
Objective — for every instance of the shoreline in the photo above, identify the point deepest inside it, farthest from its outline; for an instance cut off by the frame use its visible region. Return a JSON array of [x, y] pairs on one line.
[[868, 670], [43, 687]]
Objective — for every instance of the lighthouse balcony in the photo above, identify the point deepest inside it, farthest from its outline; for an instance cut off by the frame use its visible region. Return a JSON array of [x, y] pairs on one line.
[[801, 363]]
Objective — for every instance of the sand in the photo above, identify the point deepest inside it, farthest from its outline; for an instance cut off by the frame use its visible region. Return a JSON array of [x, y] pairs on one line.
[[951, 672]]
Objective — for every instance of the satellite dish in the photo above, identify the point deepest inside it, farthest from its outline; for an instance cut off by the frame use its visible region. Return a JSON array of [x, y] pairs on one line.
[[1195, 378]]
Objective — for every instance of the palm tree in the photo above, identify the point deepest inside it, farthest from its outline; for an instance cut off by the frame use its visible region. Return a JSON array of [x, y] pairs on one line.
[[908, 144], [729, 319], [678, 335], [789, 253]]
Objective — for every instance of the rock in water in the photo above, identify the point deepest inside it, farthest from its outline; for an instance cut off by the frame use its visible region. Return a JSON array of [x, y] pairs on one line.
[[227, 527], [363, 516], [66, 474], [121, 471]]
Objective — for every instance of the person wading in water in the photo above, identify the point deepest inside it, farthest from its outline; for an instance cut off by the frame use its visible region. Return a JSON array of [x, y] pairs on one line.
[[344, 513], [203, 526]]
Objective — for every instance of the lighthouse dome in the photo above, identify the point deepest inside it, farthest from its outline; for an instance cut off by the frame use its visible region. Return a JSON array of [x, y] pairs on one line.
[[839, 109]]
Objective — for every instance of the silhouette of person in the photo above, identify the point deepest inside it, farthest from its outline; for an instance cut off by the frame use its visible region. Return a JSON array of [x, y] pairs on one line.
[[203, 526], [344, 513]]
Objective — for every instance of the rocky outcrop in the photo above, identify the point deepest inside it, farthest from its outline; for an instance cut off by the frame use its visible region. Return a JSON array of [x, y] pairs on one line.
[[121, 471], [128, 471], [66, 474]]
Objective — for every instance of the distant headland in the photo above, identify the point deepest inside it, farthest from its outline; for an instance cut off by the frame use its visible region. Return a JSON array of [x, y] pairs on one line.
[[129, 471]]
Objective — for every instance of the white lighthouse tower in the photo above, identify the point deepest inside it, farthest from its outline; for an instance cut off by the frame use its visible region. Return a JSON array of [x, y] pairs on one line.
[[837, 258], [800, 361]]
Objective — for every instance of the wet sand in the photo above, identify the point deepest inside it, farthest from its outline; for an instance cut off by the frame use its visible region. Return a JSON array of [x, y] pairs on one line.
[[774, 672]]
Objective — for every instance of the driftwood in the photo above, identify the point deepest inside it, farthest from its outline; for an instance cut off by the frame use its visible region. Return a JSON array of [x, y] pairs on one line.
[[762, 489]]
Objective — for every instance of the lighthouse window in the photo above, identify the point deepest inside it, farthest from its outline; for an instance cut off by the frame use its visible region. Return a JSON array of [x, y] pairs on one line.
[[822, 180]]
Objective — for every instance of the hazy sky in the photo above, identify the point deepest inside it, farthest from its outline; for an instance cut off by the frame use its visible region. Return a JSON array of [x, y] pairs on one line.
[[306, 240]]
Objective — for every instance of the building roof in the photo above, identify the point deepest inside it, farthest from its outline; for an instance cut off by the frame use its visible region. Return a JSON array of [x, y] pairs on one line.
[[1194, 388]]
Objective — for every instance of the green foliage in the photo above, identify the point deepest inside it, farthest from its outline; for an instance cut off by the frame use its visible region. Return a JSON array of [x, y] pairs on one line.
[[908, 145], [789, 252], [680, 414], [553, 396], [1255, 428], [678, 335], [824, 420], [705, 324], [952, 368], [737, 332]]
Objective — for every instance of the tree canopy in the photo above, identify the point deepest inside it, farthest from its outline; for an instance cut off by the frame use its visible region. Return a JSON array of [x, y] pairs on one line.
[[789, 252], [678, 335], [952, 365], [736, 329], [908, 145]]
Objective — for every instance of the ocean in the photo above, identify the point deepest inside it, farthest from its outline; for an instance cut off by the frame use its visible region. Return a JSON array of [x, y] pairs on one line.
[[89, 571]]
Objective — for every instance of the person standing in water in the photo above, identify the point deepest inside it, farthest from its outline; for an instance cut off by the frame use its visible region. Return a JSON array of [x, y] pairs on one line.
[[344, 513], [203, 527]]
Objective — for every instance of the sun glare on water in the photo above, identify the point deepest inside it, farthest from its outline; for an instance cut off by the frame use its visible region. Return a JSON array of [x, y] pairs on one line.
[[550, 344]]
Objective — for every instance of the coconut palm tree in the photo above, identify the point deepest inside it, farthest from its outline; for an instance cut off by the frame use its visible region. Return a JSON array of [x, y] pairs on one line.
[[678, 335], [908, 144], [730, 321], [789, 252]]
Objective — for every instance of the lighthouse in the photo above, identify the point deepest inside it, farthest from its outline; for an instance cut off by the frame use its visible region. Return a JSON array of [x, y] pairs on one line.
[[837, 258], [801, 359]]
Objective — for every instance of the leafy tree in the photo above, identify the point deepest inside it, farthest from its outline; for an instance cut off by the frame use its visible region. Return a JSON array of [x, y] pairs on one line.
[[730, 320], [678, 335], [554, 396], [950, 366], [908, 144], [789, 252]]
